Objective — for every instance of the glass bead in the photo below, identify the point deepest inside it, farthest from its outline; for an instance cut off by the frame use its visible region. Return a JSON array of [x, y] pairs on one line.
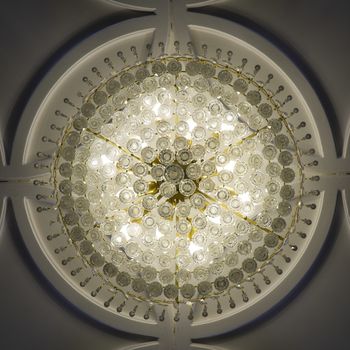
[[199, 100], [269, 152], [223, 195], [139, 170], [240, 168], [187, 291], [257, 178], [166, 210], [240, 85], [77, 234], [95, 124], [180, 143], [125, 161], [208, 168], [275, 125], [236, 276], [256, 122], [110, 270], [167, 156], [183, 209], [285, 158], [284, 208], [249, 265], [265, 110], [287, 192], [65, 187], [199, 133], [200, 273], [271, 202], [184, 156], [140, 187], [198, 151], [216, 89], [207, 70], [119, 101], [230, 241], [225, 77], [174, 173], [88, 110], [231, 259], [86, 248], [174, 67], [166, 276], [281, 141], [157, 172], [81, 204], [278, 224], [80, 123], [199, 116], [255, 161], [68, 153], [261, 254], [271, 240], [113, 86], [123, 279], [97, 259], [212, 144], [204, 288], [167, 189], [148, 257], [193, 68], [273, 169], [213, 210], [127, 79], [287, 175], [244, 247], [141, 74], [150, 84], [193, 171], [240, 130], [201, 84], [149, 202], [149, 223], [158, 68], [99, 98], [255, 235], [199, 222], [183, 81], [171, 291], [187, 187], [163, 143], [79, 187], [164, 243], [253, 97], [183, 227], [264, 219], [126, 196]]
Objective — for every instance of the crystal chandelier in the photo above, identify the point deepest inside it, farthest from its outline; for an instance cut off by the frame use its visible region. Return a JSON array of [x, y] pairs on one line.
[[176, 180]]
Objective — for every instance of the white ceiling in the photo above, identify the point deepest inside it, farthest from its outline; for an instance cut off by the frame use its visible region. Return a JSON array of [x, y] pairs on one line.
[[35, 33]]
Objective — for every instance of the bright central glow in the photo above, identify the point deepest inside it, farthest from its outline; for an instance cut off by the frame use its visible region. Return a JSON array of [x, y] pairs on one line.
[[181, 172]]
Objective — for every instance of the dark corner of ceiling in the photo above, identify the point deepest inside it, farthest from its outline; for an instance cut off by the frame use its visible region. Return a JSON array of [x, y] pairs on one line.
[[51, 291], [76, 37], [291, 52], [298, 289]]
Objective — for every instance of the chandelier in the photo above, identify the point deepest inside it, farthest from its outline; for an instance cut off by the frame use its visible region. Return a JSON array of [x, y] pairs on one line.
[[176, 182]]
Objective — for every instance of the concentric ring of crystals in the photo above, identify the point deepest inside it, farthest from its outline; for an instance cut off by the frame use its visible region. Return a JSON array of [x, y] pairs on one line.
[[178, 179]]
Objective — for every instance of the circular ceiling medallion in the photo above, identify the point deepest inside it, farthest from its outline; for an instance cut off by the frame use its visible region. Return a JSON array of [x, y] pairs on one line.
[[174, 182]]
